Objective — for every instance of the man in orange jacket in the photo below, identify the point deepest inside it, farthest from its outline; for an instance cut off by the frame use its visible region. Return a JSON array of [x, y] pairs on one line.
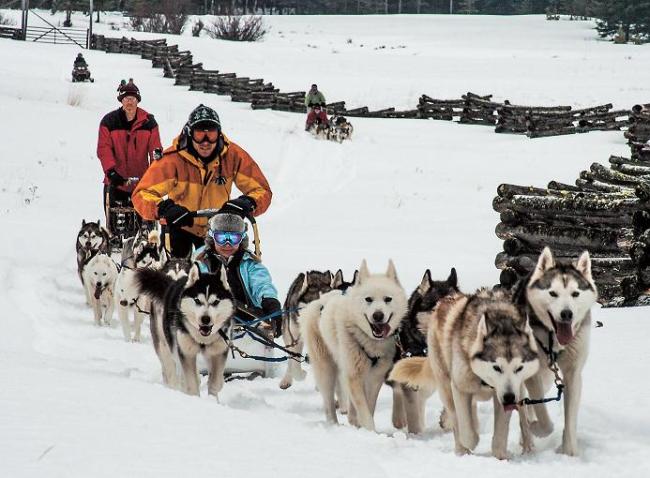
[[198, 172]]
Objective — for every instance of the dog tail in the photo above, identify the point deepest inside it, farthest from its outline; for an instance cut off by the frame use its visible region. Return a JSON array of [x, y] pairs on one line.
[[415, 372], [154, 238], [152, 283]]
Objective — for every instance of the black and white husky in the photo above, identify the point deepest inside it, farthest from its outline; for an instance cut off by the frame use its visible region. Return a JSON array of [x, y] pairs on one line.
[[409, 404], [92, 238], [559, 297], [189, 316]]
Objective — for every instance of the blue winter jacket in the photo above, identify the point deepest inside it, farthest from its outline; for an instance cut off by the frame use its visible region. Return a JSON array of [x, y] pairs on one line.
[[256, 277]]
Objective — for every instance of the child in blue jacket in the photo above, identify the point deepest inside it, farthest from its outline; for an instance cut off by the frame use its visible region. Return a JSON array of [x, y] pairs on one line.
[[249, 280]]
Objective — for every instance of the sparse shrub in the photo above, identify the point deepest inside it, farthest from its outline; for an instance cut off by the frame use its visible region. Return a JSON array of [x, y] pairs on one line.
[[197, 27], [237, 28], [168, 17]]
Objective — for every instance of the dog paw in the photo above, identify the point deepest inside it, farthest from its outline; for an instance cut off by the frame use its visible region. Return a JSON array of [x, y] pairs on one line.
[[527, 447], [540, 429], [461, 450], [285, 383], [399, 422], [566, 449], [445, 421], [468, 440], [501, 454]]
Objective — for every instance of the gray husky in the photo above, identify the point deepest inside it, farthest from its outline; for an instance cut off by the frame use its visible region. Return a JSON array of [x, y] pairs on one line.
[[350, 339], [304, 289], [559, 298], [189, 316], [92, 238], [479, 347]]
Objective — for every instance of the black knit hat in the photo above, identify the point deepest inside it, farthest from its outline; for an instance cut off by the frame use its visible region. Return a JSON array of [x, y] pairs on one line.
[[128, 89], [203, 115]]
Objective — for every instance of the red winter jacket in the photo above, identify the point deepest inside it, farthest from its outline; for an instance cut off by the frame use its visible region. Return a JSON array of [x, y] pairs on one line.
[[127, 150]]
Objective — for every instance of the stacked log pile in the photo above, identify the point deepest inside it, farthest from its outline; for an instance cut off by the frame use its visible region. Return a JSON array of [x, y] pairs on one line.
[[479, 110], [542, 121], [11, 32], [445, 110], [638, 133], [606, 212]]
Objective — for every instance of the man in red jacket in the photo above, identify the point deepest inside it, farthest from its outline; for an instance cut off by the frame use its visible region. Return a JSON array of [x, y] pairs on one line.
[[127, 138]]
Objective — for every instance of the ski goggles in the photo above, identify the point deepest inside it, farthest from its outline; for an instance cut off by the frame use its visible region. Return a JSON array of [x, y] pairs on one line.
[[224, 237], [209, 135]]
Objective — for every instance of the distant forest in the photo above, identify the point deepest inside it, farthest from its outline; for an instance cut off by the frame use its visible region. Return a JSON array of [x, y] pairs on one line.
[[623, 20], [339, 7]]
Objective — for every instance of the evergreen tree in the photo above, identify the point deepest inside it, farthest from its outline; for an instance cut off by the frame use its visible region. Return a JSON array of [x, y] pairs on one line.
[[628, 16]]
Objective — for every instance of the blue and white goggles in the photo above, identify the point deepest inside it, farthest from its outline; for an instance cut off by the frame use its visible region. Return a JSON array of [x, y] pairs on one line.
[[224, 237]]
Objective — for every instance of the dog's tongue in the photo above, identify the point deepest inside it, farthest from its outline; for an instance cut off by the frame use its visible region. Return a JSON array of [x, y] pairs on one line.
[[98, 292], [510, 408], [384, 330], [564, 333]]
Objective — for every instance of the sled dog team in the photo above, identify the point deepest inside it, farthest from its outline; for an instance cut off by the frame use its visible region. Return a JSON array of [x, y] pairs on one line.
[[492, 344]]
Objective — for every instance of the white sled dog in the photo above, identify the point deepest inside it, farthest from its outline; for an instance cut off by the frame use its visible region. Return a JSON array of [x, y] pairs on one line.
[[189, 316], [127, 298], [479, 347], [99, 276], [559, 297], [351, 344]]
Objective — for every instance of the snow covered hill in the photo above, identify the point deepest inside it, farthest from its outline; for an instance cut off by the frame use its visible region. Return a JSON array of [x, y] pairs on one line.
[[75, 400]]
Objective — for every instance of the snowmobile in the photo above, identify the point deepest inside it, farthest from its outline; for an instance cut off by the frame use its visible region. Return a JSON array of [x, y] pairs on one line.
[[81, 73]]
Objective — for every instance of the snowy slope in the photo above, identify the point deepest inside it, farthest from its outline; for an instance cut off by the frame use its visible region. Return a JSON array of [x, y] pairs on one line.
[[76, 400]]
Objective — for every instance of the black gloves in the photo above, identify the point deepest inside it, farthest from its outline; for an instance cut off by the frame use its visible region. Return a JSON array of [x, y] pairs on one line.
[[174, 214], [269, 306], [242, 206], [115, 178]]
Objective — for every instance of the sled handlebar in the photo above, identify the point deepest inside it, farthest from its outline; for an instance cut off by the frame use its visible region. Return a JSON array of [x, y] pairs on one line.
[[211, 212], [205, 213]]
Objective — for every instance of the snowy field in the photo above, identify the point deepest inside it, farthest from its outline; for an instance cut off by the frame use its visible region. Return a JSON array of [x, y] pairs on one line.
[[77, 401]]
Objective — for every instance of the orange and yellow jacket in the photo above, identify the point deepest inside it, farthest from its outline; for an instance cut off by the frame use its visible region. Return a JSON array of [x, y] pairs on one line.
[[188, 182]]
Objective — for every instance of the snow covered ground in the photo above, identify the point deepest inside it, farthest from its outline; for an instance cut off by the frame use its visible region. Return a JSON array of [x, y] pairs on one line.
[[76, 400]]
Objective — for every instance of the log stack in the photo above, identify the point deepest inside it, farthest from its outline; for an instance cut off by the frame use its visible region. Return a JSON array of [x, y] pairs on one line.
[[638, 133], [479, 110], [605, 212], [543, 121], [445, 110], [184, 73]]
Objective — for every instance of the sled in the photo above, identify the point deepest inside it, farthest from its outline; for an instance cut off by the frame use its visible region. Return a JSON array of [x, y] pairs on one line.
[[122, 220], [236, 364]]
